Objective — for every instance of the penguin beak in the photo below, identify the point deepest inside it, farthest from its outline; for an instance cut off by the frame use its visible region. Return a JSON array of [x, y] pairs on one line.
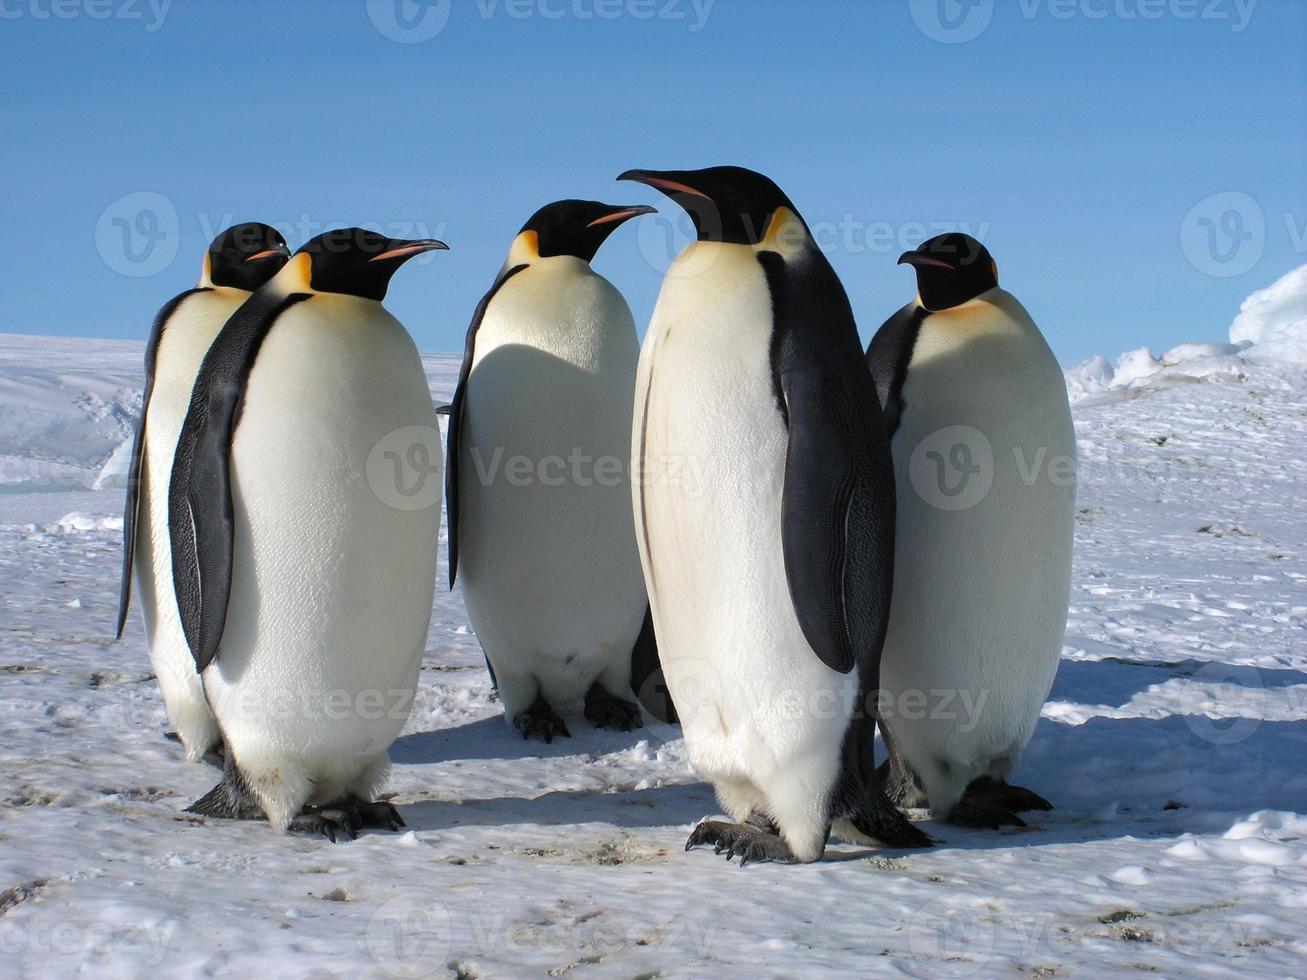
[[667, 181], [402, 249], [623, 213], [268, 253], [918, 259]]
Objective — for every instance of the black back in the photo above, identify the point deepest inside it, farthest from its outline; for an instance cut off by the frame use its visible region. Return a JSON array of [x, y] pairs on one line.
[[888, 357], [131, 509], [201, 522]]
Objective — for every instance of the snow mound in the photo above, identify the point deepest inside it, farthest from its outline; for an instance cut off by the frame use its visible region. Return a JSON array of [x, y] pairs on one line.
[[1270, 330], [1273, 312]]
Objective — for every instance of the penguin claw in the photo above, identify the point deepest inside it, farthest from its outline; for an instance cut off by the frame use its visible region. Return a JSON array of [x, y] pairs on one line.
[[605, 710], [750, 843], [542, 722], [381, 816], [992, 803], [333, 823]]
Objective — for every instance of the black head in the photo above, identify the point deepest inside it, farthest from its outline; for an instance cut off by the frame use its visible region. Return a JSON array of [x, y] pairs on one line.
[[951, 269], [726, 204], [245, 256], [578, 227], [358, 262]]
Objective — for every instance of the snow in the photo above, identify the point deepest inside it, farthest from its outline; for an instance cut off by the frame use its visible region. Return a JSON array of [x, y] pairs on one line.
[[1172, 744]]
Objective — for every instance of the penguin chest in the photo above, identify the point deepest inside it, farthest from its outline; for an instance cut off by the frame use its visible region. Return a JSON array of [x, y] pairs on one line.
[[549, 565], [985, 470], [711, 452], [336, 476]]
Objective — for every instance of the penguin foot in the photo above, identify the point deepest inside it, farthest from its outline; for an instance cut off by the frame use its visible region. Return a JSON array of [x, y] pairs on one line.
[[887, 824], [605, 710], [346, 818], [978, 813], [752, 842], [230, 799], [996, 792], [540, 721], [381, 816], [331, 822]]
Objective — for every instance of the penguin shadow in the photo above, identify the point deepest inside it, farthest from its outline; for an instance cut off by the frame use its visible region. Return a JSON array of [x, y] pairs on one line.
[[491, 738], [1149, 778], [665, 806], [1115, 681]]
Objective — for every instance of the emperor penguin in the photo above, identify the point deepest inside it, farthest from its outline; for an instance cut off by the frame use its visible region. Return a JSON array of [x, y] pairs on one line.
[[976, 409], [304, 510], [539, 499], [765, 521], [239, 261]]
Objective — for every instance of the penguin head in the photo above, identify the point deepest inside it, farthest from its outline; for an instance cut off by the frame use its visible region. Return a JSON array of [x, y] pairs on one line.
[[574, 227], [245, 256], [951, 269], [356, 262], [727, 204]]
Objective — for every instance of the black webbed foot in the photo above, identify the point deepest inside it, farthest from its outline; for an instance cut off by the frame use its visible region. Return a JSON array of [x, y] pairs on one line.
[[978, 813], [540, 721], [995, 792], [331, 822], [604, 710], [380, 816], [754, 841]]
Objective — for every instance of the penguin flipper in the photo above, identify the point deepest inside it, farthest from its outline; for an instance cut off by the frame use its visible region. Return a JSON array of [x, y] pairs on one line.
[[837, 511], [131, 509], [201, 521], [454, 434], [647, 682], [888, 357]]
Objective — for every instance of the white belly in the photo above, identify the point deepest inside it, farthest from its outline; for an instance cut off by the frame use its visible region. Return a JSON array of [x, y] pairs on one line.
[[548, 560], [982, 574], [762, 716], [335, 552], [185, 341]]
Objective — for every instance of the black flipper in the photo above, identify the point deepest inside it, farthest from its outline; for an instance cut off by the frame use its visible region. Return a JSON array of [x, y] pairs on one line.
[[456, 423], [132, 507], [837, 513], [888, 357], [647, 674], [200, 518]]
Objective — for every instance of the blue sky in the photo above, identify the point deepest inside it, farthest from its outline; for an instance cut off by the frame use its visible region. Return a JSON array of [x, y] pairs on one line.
[[1136, 166]]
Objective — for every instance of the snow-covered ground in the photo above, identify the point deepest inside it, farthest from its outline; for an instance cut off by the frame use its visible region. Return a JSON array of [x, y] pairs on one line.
[[1173, 745]]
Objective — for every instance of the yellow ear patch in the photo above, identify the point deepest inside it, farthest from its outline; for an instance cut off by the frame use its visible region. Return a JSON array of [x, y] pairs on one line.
[[785, 232], [525, 248], [206, 270], [298, 273]]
